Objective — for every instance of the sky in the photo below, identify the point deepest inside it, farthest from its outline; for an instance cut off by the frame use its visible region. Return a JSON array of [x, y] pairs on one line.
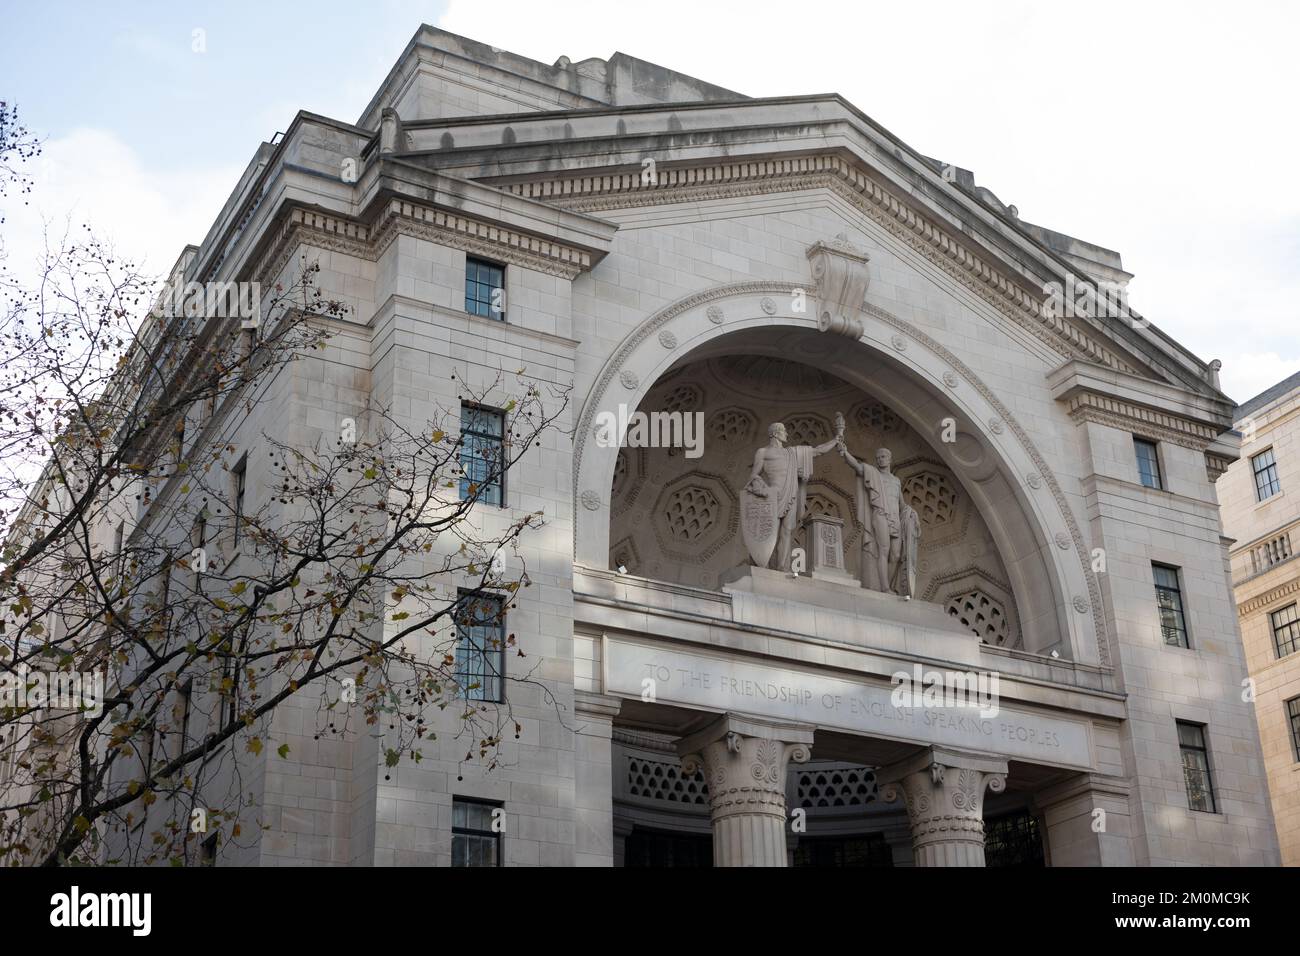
[[1162, 130]]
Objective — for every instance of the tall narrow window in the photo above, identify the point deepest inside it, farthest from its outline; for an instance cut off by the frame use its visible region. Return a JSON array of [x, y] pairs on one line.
[[480, 646], [199, 562], [474, 840], [1169, 600], [241, 484], [1196, 767], [1293, 718], [485, 289], [1148, 461], [183, 707], [1265, 468], [1286, 630], [482, 456]]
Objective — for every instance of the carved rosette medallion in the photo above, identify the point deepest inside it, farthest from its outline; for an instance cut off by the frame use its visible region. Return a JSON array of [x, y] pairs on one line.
[[667, 339], [715, 314], [1062, 540], [591, 499], [629, 379]]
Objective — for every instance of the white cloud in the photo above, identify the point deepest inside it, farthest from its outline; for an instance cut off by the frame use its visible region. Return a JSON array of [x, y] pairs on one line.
[[90, 176], [1149, 129]]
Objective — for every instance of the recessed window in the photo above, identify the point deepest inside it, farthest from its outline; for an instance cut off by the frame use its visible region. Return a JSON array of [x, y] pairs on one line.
[[1196, 767], [485, 289], [1293, 718], [1148, 461], [482, 460], [1265, 467], [241, 485], [1286, 630], [475, 841], [480, 646], [1169, 600], [208, 850]]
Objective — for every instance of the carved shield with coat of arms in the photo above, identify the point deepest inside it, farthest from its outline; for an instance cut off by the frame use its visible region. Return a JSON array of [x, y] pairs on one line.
[[758, 526]]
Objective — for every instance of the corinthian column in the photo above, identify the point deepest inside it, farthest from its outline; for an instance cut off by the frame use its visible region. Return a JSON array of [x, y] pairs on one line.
[[744, 761], [944, 793]]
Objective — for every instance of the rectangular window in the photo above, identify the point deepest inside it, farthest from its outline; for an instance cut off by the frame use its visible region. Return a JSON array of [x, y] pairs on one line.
[[1148, 459], [1293, 718], [1286, 630], [1265, 468], [198, 563], [482, 454], [1169, 600], [183, 707], [480, 646], [474, 841], [485, 289], [208, 851], [241, 483], [1196, 767]]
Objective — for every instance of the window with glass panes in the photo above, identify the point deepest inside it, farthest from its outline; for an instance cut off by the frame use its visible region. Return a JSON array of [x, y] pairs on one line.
[[485, 289], [482, 460], [1169, 601], [480, 646], [1196, 767], [1148, 459], [1286, 630], [1265, 467], [1293, 717], [473, 841]]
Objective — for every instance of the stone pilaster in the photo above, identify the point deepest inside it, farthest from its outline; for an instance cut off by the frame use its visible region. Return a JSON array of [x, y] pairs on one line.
[[593, 805], [944, 793], [1087, 821], [745, 762]]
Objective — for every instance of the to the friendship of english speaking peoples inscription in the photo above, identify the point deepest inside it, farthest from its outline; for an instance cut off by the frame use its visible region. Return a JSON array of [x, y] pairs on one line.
[[759, 689]]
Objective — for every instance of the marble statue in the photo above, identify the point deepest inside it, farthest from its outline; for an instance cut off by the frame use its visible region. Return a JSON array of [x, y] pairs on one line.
[[892, 529], [774, 500]]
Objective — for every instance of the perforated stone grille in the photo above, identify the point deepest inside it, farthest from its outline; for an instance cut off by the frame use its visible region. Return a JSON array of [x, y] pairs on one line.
[[683, 398], [984, 616], [848, 787], [657, 780], [933, 496], [690, 512], [876, 416], [731, 425], [806, 430]]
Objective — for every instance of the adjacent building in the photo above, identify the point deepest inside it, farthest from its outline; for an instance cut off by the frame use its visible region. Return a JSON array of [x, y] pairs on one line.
[[1261, 514]]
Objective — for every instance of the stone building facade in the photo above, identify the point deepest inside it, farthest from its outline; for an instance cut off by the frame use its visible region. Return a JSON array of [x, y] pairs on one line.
[[668, 245], [1263, 521]]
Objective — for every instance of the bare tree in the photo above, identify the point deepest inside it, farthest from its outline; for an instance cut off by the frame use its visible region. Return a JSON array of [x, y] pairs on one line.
[[365, 585]]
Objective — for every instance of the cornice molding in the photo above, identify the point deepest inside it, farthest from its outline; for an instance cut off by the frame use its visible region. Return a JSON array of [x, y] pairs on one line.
[[401, 217], [1269, 597], [724, 180], [1147, 422]]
